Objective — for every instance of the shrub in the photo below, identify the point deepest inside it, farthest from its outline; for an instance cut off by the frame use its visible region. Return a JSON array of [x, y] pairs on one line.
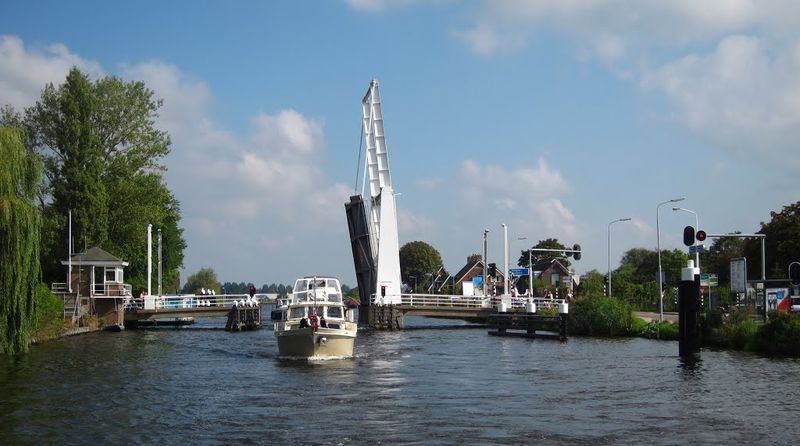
[[47, 321], [780, 335], [600, 316], [656, 330]]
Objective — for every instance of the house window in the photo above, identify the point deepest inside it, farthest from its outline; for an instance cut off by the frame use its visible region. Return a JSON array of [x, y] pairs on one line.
[[554, 279], [113, 275]]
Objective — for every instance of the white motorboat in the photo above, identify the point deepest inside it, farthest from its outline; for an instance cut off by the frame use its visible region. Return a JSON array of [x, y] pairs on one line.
[[314, 322]]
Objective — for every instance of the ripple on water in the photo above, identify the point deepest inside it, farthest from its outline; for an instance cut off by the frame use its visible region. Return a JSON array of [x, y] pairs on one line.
[[444, 385]]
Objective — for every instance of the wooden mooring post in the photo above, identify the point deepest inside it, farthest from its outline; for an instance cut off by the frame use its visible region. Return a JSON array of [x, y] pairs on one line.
[[244, 318]]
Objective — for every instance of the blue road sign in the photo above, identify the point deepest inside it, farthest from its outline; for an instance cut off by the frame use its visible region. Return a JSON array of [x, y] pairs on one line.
[[696, 248], [518, 272]]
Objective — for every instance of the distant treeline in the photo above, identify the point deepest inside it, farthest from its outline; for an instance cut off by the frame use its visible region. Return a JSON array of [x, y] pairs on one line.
[[280, 289]]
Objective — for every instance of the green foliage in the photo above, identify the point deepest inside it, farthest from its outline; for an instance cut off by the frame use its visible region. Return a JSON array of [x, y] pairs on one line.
[[536, 257], [205, 278], [782, 243], [591, 284], [418, 259], [47, 321], [655, 329], [103, 156], [20, 223], [600, 316], [717, 258], [780, 335]]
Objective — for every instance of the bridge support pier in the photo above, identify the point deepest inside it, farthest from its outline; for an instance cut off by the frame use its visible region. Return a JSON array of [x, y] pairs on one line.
[[386, 317]]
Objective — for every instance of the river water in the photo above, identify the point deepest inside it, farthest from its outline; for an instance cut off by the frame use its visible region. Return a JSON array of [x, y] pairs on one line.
[[437, 382]]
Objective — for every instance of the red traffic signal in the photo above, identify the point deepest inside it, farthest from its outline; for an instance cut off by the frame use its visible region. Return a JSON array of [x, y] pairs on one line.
[[701, 236]]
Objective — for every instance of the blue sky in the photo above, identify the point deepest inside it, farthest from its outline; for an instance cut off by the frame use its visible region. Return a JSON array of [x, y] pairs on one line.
[[554, 117]]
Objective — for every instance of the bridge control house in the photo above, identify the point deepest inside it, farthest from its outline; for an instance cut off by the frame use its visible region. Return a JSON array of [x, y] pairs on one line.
[[95, 286]]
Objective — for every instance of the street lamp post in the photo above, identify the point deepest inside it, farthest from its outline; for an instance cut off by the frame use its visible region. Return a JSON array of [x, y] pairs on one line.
[[530, 269], [696, 228], [505, 257], [658, 248], [609, 250]]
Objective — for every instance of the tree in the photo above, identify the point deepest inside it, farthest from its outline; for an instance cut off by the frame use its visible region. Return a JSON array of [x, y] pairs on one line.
[[592, 284], [418, 259], [636, 279], [782, 243], [538, 256], [204, 278], [718, 257], [102, 157], [20, 177]]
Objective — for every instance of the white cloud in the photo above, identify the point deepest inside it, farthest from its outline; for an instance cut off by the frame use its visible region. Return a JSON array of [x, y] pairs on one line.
[[742, 95], [243, 197], [409, 223], [25, 71], [532, 196], [428, 184], [610, 27], [383, 5]]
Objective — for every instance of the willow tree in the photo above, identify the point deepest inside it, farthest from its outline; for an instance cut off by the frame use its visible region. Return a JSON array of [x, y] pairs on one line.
[[20, 223]]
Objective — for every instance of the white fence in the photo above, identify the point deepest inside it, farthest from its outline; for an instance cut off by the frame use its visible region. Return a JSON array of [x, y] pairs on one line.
[[196, 301], [458, 301]]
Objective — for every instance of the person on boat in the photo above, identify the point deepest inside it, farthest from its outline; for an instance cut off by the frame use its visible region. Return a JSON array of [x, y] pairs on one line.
[[323, 323], [303, 323]]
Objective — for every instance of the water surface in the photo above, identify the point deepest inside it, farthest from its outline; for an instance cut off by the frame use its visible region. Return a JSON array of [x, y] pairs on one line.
[[438, 382]]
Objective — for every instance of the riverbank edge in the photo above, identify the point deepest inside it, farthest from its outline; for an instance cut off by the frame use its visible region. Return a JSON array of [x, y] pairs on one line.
[[65, 333]]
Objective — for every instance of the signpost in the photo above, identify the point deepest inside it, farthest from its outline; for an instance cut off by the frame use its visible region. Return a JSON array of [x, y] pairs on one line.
[[739, 275], [519, 272], [694, 249], [709, 280]]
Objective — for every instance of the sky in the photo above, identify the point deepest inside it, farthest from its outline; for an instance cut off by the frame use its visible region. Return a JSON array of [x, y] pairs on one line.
[[553, 117]]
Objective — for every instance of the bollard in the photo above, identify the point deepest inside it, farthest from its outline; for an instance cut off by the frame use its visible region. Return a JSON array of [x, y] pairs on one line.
[[689, 310], [530, 307], [563, 311]]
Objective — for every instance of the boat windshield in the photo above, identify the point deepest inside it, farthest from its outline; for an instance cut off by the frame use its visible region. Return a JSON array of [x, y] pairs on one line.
[[317, 289], [335, 312]]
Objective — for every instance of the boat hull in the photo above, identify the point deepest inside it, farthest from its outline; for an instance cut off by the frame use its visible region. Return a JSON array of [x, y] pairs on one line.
[[303, 343]]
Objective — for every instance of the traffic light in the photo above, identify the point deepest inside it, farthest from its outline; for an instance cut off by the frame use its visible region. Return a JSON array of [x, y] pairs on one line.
[[688, 236], [577, 248], [794, 273], [492, 269], [700, 236]]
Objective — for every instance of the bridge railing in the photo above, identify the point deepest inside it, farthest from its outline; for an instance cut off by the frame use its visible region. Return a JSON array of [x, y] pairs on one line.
[[186, 301], [458, 301]]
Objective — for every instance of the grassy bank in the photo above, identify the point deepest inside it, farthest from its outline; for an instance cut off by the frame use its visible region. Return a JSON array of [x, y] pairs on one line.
[[607, 317], [780, 335]]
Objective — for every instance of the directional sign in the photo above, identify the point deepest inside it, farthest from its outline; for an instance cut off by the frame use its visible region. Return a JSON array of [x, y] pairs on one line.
[[709, 280], [519, 272], [696, 248]]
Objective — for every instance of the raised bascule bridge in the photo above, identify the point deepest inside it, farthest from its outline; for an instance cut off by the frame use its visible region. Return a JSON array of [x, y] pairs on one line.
[[372, 223]]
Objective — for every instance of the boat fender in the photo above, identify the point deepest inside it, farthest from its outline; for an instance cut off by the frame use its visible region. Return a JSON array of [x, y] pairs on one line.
[[323, 340]]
